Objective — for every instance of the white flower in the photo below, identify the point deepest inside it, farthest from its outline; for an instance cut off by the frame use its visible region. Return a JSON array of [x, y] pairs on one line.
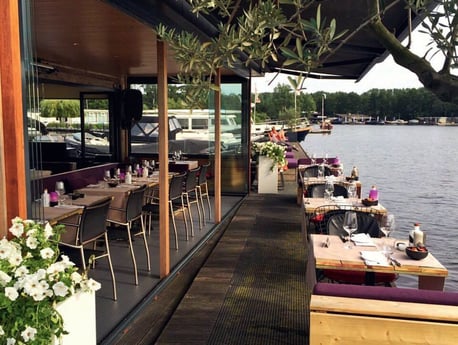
[[17, 229], [10, 341], [11, 293], [60, 289], [28, 333], [48, 230], [31, 242], [31, 232], [21, 271], [90, 285], [76, 277], [47, 253], [4, 278], [2, 332], [15, 259]]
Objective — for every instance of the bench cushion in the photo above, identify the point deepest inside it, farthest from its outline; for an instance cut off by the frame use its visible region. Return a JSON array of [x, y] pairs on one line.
[[387, 293]]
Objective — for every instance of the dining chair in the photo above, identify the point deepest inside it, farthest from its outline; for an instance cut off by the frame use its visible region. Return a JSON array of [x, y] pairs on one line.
[[176, 204], [90, 229], [131, 214], [191, 196], [367, 223], [312, 171], [151, 196], [202, 188], [317, 190]]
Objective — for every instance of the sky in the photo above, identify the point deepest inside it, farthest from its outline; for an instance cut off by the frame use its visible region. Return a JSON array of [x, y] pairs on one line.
[[384, 75]]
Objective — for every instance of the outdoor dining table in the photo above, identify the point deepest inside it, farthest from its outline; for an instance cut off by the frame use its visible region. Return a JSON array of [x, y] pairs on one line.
[[312, 206], [68, 214], [328, 252], [119, 193], [181, 166]]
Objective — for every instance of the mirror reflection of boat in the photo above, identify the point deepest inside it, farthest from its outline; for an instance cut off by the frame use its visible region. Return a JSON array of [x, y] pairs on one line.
[[94, 145], [195, 138]]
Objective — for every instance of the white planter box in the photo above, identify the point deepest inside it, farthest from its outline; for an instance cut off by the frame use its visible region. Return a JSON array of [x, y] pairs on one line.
[[267, 178], [78, 313]]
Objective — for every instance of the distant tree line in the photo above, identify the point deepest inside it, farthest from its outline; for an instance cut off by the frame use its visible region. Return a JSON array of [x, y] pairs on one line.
[[405, 104]]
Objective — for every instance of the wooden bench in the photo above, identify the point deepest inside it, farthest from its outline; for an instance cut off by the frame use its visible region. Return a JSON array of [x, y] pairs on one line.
[[350, 314]]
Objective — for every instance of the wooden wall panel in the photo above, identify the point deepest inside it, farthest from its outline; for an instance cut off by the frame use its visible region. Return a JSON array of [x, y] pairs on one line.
[[13, 172]]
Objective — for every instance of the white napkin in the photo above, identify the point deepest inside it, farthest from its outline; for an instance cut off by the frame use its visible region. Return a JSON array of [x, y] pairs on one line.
[[374, 258], [362, 239]]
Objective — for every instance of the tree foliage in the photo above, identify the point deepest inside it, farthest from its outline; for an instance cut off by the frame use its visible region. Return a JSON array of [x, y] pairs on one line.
[[442, 26], [59, 109], [246, 35], [403, 104]]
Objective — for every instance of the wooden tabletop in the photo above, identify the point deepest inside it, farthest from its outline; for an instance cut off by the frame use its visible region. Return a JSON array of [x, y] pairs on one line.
[[58, 213], [335, 256]]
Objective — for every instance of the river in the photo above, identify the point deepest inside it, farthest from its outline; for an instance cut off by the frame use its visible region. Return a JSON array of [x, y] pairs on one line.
[[415, 171]]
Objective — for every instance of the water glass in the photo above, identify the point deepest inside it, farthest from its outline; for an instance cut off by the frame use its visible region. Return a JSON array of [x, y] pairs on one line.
[[320, 171], [387, 226], [351, 189], [350, 225]]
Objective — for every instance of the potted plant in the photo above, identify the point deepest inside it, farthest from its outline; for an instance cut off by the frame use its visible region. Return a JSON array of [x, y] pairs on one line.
[[34, 279], [271, 150]]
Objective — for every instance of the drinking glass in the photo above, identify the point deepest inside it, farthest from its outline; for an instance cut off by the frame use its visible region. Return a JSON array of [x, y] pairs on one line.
[[328, 190], [350, 225], [313, 160], [320, 171], [60, 190], [351, 189], [387, 226]]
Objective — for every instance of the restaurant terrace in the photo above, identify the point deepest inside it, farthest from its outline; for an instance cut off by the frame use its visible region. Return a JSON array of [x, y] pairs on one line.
[[107, 53]]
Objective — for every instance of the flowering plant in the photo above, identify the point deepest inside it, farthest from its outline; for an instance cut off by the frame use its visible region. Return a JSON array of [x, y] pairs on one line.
[[33, 279], [272, 150]]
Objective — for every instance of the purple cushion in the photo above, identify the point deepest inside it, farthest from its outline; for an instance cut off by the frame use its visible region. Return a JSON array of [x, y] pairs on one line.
[[387, 293], [292, 163], [289, 154]]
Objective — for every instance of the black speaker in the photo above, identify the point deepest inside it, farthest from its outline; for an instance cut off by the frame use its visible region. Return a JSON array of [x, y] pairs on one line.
[[132, 107]]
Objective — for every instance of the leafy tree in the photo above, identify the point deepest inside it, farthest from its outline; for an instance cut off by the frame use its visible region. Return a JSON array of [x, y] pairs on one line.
[[442, 26], [60, 109]]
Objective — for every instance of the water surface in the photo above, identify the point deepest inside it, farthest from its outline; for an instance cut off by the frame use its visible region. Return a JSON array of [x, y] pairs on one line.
[[414, 169]]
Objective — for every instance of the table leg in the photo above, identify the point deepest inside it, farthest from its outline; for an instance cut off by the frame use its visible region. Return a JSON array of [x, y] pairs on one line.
[[431, 283]]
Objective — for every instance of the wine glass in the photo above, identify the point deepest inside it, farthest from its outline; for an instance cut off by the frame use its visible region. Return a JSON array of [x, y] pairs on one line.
[[313, 160], [387, 226], [350, 225], [325, 160], [60, 190]]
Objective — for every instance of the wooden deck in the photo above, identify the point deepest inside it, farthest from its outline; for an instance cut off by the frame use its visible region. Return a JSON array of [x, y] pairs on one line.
[[256, 250], [245, 286]]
